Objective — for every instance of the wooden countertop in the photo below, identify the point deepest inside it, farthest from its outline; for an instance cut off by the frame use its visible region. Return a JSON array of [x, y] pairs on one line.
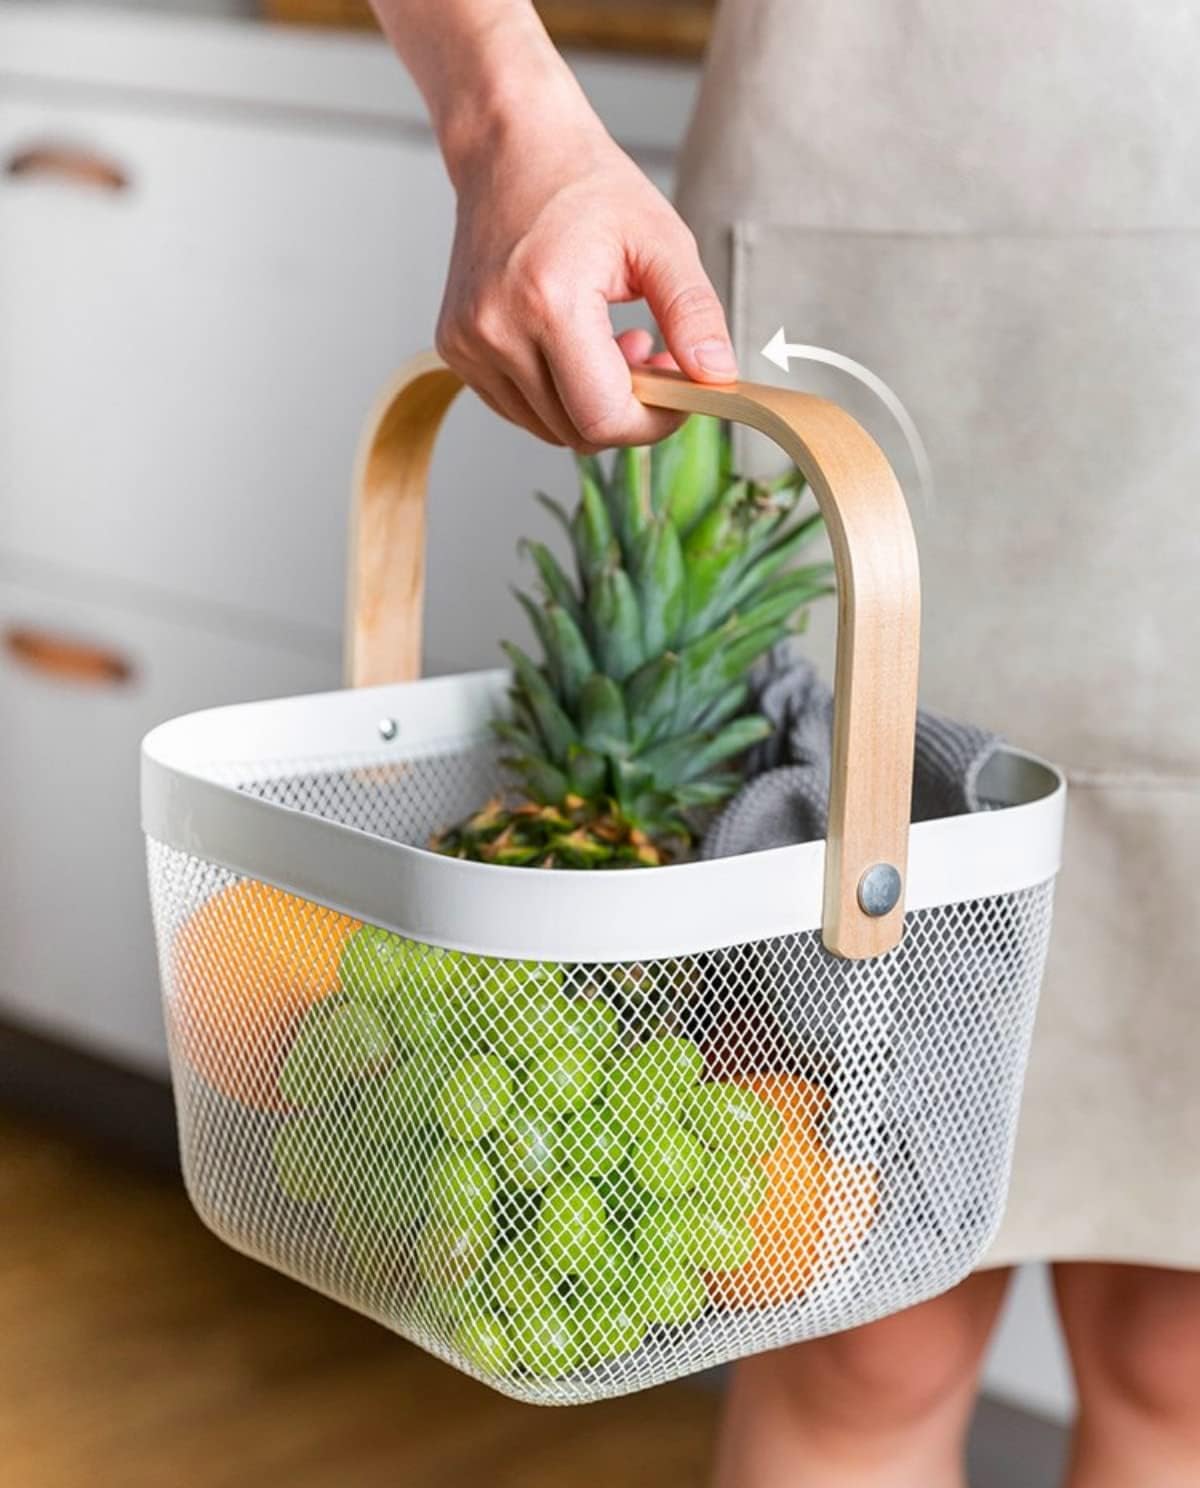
[[671, 28], [663, 28]]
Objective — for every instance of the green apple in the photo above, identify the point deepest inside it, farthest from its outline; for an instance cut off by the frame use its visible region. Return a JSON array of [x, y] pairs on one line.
[[665, 1234], [635, 1098], [594, 1142], [528, 1147], [484, 1343], [732, 1184], [607, 1327], [624, 1197], [652, 1081], [562, 1076], [373, 964], [613, 1270], [730, 1118], [475, 1097], [303, 1150], [461, 1185], [519, 1278], [594, 1022], [449, 1255], [676, 1062], [546, 1341], [667, 1160], [336, 1042], [400, 1101], [462, 1304], [571, 1226], [721, 1242], [431, 1006], [673, 1293], [526, 1009]]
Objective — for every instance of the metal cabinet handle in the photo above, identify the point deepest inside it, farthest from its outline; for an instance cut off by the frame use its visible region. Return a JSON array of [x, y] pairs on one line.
[[65, 659], [71, 163]]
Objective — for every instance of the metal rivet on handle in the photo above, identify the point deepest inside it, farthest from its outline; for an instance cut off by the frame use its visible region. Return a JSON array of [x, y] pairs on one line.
[[879, 890], [388, 729]]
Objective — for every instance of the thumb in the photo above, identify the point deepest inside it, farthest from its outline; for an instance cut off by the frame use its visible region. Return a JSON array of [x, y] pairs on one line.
[[688, 313]]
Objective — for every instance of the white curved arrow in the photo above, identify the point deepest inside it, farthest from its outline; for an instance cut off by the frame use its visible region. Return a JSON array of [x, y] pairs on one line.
[[780, 351]]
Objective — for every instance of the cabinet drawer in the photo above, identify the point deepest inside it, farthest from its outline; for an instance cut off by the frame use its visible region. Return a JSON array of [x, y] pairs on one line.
[[79, 686], [197, 311]]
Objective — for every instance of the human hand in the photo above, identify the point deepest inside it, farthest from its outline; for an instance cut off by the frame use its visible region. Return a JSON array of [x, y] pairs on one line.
[[555, 224]]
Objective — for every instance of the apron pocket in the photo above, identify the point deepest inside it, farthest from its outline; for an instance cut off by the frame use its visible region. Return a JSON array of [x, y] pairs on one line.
[[1055, 380]]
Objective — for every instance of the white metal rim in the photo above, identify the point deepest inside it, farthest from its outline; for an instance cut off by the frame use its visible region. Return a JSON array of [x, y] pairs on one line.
[[191, 802]]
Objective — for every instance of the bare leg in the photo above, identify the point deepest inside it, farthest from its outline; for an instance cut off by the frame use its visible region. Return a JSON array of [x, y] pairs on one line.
[[884, 1406], [1134, 1337]]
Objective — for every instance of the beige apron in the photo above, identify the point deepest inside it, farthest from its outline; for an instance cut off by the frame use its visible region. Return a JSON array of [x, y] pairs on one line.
[[996, 206]]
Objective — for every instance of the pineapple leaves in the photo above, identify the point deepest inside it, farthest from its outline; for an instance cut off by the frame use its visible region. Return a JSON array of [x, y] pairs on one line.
[[780, 600], [516, 735], [684, 758], [587, 771], [555, 583], [629, 496], [556, 510], [777, 555], [553, 724], [714, 553], [635, 713], [615, 623], [568, 660], [592, 534], [567, 654], [590, 467], [544, 782], [603, 721], [710, 667], [661, 580], [688, 474], [727, 705], [651, 697], [710, 792]]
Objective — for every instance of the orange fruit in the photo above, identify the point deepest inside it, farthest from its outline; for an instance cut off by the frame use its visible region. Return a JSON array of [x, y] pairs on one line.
[[799, 1102], [816, 1209], [247, 965]]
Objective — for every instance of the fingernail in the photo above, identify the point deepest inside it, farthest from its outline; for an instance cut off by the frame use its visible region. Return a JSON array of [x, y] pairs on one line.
[[716, 356]]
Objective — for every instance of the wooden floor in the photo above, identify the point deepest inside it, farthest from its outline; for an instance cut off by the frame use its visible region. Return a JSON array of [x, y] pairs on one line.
[[138, 1352]]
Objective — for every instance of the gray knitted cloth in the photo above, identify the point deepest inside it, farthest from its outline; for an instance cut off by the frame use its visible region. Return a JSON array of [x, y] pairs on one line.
[[895, 1041], [786, 797]]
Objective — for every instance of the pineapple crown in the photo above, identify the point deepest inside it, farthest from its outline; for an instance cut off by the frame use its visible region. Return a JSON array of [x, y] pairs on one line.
[[627, 727]]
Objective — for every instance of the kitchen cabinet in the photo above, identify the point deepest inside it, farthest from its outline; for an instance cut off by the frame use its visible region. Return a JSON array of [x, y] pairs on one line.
[[217, 238], [80, 682], [190, 345]]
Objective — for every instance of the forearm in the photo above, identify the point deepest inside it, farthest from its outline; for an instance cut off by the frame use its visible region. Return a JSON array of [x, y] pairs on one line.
[[485, 68], [554, 223]]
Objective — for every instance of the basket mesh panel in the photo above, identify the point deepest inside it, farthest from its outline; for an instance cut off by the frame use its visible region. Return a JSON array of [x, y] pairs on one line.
[[573, 1180], [401, 800]]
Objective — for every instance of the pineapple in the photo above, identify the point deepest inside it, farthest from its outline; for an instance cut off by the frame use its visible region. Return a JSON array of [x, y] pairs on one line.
[[625, 733]]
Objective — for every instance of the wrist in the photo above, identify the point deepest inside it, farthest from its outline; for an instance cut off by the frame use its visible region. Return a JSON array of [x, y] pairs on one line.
[[512, 87]]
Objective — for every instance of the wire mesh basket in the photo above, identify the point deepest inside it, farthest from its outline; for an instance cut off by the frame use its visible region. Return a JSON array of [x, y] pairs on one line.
[[580, 1133]]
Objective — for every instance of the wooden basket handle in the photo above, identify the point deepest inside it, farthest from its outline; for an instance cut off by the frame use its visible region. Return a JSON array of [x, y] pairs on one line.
[[874, 551]]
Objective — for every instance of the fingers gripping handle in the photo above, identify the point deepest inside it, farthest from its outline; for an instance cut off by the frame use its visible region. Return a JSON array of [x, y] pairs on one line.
[[875, 688]]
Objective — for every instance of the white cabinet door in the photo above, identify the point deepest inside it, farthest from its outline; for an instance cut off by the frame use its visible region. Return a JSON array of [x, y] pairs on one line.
[[80, 684], [186, 358]]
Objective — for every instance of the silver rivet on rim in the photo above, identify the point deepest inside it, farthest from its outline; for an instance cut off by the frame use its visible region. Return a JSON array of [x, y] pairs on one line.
[[879, 890], [388, 729]]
